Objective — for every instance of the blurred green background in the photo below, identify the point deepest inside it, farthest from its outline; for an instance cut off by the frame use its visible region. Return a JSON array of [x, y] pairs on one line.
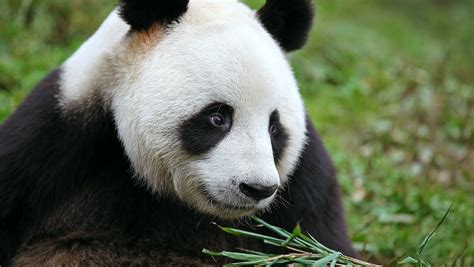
[[389, 85]]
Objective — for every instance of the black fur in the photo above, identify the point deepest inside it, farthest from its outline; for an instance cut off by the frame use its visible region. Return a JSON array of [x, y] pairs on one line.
[[66, 195], [142, 14], [44, 158], [197, 134], [289, 22], [279, 138]]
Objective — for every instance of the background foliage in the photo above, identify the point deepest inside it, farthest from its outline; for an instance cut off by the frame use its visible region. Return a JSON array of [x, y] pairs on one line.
[[389, 84]]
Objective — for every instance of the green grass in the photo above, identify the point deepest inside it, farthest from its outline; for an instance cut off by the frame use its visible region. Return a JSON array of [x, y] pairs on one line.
[[389, 84]]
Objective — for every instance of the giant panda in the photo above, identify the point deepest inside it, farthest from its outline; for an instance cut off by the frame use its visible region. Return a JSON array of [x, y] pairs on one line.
[[173, 115]]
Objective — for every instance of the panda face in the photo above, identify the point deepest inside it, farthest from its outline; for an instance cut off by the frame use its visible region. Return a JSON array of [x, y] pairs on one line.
[[208, 109]]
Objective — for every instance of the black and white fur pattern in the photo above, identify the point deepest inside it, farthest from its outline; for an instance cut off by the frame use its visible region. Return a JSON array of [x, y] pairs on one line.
[[206, 58], [109, 161]]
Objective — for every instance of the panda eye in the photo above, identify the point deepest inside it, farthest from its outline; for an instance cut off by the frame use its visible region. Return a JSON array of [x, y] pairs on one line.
[[205, 129], [218, 116], [273, 129], [217, 120]]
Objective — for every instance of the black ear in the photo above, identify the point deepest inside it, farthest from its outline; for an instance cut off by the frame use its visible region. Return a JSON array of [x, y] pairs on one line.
[[142, 14], [289, 21]]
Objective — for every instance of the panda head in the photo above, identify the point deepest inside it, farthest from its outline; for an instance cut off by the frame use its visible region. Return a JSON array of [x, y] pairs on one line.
[[204, 100]]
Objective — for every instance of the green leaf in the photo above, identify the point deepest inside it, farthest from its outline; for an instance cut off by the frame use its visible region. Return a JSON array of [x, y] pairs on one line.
[[238, 232], [316, 254], [425, 242], [428, 238], [324, 261], [275, 229], [409, 260], [296, 232], [211, 253], [237, 255], [279, 244], [315, 245], [425, 263], [243, 256], [255, 262], [305, 260], [319, 245], [254, 252]]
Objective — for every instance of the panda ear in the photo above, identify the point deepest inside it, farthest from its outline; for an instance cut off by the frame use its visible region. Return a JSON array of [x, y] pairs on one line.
[[288, 21], [142, 14]]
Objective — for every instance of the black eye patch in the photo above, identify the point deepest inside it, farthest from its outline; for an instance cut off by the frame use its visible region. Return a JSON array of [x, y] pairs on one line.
[[200, 133], [278, 135]]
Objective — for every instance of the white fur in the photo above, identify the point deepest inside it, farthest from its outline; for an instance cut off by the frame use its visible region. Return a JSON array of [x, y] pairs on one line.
[[82, 70], [218, 52]]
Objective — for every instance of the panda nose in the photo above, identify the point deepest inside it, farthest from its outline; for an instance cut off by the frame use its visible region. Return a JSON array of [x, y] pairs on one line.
[[257, 191]]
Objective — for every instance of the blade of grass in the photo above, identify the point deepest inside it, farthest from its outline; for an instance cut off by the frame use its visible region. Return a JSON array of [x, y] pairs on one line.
[[428, 238]]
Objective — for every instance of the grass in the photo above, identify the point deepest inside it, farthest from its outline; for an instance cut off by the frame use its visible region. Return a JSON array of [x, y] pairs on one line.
[[419, 261], [389, 85]]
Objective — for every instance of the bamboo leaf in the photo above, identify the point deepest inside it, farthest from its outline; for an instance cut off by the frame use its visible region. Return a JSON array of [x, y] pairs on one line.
[[243, 256], [306, 249], [324, 261], [211, 253], [275, 229], [254, 252], [296, 232], [255, 262], [305, 261], [238, 232]]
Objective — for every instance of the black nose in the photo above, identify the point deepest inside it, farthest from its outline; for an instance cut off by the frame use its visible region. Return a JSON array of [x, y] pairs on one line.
[[257, 191]]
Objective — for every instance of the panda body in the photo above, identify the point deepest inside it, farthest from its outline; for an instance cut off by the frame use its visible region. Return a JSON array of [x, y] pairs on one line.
[[164, 121]]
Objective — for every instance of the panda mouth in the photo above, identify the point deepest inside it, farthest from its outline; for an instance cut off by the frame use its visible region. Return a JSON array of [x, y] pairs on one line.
[[223, 205], [229, 206]]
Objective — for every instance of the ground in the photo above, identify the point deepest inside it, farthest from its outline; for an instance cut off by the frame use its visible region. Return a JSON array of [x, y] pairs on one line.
[[389, 85]]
